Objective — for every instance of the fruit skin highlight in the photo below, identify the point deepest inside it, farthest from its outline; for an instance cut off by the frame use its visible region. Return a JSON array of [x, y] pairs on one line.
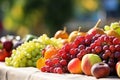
[[88, 61], [118, 68], [74, 66], [100, 70]]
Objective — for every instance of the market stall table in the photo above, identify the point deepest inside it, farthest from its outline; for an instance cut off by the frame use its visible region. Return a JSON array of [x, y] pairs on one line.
[[30, 73]]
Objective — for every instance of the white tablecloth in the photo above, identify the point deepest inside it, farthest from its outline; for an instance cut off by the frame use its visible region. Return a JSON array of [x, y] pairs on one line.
[[30, 73]]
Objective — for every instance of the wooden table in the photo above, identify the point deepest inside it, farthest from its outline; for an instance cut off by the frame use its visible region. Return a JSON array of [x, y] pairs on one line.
[[30, 73]]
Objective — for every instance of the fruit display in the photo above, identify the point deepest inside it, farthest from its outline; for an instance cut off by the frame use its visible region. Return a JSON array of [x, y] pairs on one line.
[[29, 52], [93, 53], [105, 47]]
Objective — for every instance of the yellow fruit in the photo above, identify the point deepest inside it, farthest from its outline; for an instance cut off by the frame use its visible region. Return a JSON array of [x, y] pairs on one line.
[[40, 63], [74, 34], [61, 34], [50, 52]]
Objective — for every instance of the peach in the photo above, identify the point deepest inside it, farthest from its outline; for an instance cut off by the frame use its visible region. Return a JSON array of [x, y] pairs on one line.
[[88, 61], [118, 68], [74, 66]]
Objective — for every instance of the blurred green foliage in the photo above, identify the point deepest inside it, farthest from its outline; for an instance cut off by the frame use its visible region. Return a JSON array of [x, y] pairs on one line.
[[39, 16]]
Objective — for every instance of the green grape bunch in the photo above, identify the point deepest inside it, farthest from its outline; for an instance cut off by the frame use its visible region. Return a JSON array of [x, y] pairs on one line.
[[115, 26], [28, 53]]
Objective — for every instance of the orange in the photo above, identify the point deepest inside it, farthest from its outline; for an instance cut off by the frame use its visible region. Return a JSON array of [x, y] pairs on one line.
[[50, 52], [40, 63]]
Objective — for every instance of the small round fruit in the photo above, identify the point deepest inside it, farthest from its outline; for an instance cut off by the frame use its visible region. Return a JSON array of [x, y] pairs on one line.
[[100, 70], [74, 66]]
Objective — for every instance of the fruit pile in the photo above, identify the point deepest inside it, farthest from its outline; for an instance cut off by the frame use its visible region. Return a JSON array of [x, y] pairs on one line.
[[80, 54], [96, 52]]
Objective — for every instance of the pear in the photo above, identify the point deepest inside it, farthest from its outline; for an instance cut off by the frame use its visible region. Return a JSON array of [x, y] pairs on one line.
[[61, 34], [74, 34], [95, 29]]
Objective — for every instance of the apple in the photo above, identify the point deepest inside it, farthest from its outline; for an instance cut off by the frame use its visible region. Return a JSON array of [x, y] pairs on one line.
[[100, 70], [74, 66], [118, 68], [88, 61]]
